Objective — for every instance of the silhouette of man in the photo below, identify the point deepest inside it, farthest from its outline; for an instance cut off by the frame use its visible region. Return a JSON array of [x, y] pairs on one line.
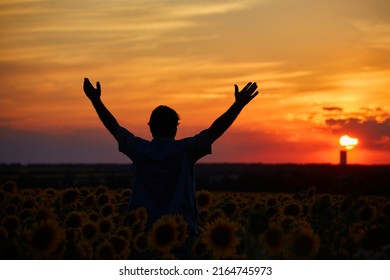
[[163, 168]]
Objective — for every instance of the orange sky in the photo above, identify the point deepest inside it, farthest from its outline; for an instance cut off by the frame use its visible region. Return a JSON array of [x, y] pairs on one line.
[[323, 68]]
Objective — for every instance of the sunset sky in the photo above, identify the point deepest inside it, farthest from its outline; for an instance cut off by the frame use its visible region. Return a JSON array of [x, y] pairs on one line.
[[323, 70]]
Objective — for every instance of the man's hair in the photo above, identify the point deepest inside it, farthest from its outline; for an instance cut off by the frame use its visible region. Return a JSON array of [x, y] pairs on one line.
[[163, 122]]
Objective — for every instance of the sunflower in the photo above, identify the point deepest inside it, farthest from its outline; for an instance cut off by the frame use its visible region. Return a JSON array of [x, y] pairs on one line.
[[3, 233], [11, 209], [386, 209], [271, 212], [292, 209], [89, 200], [367, 213], [220, 237], [43, 213], [15, 200], [199, 249], [2, 197], [9, 187], [163, 235], [101, 189], [311, 192], [287, 224], [105, 251], [93, 216], [105, 225], [11, 224], [272, 239], [121, 247], [77, 251], [229, 208], [28, 203], [89, 231], [107, 210], [74, 220], [257, 223], [130, 218], [51, 193], [70, 197], [140, 242], [182, 229], [44, 238], [26, 214], [103, 199], [124, 232], [204, 199], [271, 201], [142, 214], [302, 243], [136, 219]]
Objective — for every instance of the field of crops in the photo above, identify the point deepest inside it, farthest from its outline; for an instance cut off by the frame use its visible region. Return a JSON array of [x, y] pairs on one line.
[[93, 223]]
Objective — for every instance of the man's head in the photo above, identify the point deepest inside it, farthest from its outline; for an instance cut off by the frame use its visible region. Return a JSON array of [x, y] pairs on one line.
[[163, 122]]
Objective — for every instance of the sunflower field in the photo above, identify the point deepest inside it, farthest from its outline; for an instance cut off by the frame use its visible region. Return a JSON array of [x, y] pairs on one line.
[[94, 223]]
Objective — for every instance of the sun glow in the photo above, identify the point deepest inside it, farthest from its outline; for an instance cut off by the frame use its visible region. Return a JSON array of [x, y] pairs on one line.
[[347, 142]]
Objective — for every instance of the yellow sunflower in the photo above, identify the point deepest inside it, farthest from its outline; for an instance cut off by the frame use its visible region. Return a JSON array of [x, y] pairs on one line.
[[44, 238], [105, 251], [182, 228], [11, 209], [199, 249], [74, 220], [89, 231], [9, 187], [367, 213], [163, 235], [51, 193], [77, 251], [272, 239], [89, 200], [204, 199], [292, 209], [103, 199], [121, 247], [124, 232], [3, 197], [43, 213], [11, 224], [142, 214], [3, 233], [28, 203], [140, 242], [136, 219], [107, 210], [106, 225], [101, 189], [220, 237], [70, 197], [302, 243]]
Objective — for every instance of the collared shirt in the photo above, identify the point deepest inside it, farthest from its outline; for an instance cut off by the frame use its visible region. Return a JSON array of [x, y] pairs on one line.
[[164, 180]]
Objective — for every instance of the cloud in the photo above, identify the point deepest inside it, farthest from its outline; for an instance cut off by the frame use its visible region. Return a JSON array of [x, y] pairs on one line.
[[372, 134], [337, 109]]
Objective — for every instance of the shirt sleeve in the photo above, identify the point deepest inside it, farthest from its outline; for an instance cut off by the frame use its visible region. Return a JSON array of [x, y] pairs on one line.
[[200, 145], [127, 142]]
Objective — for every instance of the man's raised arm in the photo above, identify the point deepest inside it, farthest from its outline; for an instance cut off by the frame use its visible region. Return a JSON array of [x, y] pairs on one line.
[[242, 98], [105, 116]]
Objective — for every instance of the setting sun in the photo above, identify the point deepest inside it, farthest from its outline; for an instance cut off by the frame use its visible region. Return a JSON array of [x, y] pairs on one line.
[[347, 142]]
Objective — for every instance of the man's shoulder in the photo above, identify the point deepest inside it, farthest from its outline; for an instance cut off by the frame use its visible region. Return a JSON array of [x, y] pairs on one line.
[[204, 134]]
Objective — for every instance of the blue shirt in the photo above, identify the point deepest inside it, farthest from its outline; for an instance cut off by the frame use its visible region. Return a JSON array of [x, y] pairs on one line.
[[164, 180]]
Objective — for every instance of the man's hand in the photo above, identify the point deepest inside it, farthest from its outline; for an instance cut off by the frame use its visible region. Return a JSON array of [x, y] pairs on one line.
[[92, 92], [244, 96]]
